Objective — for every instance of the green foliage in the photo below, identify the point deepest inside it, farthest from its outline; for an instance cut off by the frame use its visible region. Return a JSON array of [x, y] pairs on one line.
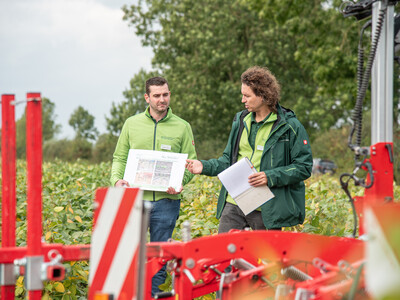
[[202, 47], [67, 197], [67, 150], [135, 103], [81, 148], [49, 127], [104, 148], [333, 144], [198, 206], [83, 124], [57, 149], [68, 193], [328, 211]]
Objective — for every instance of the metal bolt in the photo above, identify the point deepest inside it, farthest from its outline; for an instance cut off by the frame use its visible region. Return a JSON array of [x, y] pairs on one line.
[[231, 248], [190, 263]]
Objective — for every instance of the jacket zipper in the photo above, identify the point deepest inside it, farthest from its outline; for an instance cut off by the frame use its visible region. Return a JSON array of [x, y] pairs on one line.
[[154, 148], [276, 129]]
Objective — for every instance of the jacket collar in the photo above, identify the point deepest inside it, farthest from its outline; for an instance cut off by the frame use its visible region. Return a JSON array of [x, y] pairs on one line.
[[166, 117]]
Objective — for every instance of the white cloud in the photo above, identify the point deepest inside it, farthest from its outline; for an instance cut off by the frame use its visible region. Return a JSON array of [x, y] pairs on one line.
[[75, 52]]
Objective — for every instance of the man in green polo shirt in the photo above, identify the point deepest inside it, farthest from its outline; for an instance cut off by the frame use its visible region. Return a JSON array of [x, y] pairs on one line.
[[278, 146], [157, 128]]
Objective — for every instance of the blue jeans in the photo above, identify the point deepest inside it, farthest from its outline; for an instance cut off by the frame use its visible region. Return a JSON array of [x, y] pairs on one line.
[[162, 220]]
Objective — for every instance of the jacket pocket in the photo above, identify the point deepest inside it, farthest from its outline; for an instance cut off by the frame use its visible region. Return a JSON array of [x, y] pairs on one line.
[[280, 152]]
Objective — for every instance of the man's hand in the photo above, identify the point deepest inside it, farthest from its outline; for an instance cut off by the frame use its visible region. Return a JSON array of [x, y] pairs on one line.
[[172, 191], [122, 183], [194, 166], [258, 179]]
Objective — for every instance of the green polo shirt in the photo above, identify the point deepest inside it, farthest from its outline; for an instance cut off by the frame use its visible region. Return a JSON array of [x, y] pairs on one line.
[[251, 138], [254, 128]]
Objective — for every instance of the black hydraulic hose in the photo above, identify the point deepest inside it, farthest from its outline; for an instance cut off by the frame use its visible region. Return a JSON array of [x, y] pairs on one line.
[[360, 58], [345, 187], [363, 85]]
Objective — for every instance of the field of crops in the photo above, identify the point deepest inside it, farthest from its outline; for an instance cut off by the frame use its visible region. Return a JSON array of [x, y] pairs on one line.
[[68, 192]]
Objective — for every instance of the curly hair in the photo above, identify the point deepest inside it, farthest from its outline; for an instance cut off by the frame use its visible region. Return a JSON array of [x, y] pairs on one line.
[[263, 84]]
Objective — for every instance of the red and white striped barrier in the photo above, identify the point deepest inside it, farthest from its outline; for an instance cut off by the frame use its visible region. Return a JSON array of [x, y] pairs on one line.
[[115, 243]]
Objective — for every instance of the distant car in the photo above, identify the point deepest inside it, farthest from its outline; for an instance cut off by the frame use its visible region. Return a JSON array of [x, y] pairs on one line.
[[323, 166]]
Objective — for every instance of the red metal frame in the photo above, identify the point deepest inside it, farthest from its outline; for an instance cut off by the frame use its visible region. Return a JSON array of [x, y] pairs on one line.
[[9, 252], [34, 178], [8, 157], [381, 191], [69, 253], [200, 257]]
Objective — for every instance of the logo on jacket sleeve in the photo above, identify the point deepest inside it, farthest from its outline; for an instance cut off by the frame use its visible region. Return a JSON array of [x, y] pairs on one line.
[[305, 142]]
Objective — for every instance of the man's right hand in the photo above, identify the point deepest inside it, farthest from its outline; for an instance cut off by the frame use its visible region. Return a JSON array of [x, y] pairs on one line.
[[122, 183], [194, 166]]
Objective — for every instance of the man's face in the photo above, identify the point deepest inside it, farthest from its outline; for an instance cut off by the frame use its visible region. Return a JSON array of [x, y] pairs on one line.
[[158, 99], [251, 102]]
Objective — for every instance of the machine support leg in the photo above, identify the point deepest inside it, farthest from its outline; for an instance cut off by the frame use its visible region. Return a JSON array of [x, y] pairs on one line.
[[8, 157], [34, 195]]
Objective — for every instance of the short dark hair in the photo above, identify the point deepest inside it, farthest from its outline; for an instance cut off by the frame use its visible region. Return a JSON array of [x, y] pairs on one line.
[[158, 81], [263, 84]]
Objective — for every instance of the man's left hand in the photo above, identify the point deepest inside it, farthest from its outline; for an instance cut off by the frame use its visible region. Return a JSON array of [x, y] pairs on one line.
[[258, 179], [172, 191]]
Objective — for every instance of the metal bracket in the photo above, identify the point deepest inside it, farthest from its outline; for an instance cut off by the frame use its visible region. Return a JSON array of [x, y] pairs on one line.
[[33, 271], [7, 275]]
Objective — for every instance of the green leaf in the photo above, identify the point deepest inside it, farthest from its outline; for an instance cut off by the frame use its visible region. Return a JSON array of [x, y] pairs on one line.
[[58, 208]]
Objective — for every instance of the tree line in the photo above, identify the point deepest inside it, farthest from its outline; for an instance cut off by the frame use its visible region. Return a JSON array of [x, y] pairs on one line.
[[202, 47]]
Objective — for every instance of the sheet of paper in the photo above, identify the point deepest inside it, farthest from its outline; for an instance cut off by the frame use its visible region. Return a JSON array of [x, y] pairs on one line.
[[155, 170], [235, 178], [253, 198]]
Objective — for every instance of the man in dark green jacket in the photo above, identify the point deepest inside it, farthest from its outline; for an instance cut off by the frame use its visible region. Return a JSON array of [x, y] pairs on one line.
[[278, 146]]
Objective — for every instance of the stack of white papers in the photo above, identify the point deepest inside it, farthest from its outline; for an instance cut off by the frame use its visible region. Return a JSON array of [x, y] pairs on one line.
[[235, 180]]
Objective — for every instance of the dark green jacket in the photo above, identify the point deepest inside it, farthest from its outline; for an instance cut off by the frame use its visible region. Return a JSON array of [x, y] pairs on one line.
[[287, 162]]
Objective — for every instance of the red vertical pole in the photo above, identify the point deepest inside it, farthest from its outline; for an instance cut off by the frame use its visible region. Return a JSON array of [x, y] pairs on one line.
[[34, 178], [8, 158]]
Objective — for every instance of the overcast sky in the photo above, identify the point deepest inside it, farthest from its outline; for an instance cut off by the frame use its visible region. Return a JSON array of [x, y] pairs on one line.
[[74, 52]]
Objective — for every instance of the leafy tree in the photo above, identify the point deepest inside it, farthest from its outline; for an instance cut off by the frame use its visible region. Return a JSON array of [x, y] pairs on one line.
[[67, 150], [49, 127], [104, 148], [134, 104], [83, 124], [81, 148], [202, 47], [57, 149], [326, 47]]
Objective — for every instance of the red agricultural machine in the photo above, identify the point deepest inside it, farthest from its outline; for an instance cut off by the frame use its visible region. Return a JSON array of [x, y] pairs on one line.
[[238, 264]]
